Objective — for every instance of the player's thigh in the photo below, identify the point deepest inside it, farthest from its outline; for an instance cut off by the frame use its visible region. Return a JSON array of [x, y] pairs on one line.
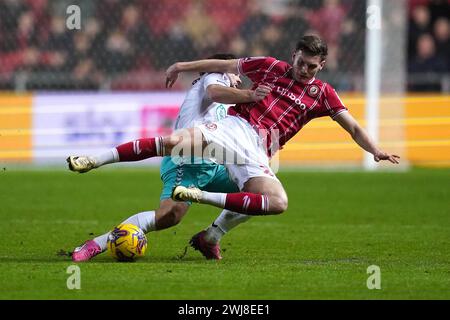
[[232, 141], [175, 173], [220, 181], [265, 185], [184, 140], [256, 178]]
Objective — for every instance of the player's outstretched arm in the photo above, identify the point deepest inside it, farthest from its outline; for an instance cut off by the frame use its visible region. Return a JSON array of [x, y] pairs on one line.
[[228, 95], [208, 65], [360, 136]]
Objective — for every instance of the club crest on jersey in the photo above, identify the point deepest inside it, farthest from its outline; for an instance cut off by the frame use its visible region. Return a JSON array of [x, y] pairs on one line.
[[211, 126], [221, 112], [313, 91]]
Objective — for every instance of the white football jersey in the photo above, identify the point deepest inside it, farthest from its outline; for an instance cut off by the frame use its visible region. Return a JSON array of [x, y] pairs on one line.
[[197, 108]]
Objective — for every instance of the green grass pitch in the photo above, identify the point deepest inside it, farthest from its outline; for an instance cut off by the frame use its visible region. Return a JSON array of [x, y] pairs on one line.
[[337, 225]]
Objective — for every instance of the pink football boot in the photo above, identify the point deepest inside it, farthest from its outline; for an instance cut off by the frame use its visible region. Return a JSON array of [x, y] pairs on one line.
[[209, 250], [86, 252]]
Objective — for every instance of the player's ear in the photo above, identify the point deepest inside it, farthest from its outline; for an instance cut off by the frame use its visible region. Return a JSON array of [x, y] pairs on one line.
[[322, 64]]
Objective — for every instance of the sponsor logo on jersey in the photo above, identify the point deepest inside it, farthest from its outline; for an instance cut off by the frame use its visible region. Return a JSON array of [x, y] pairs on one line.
[[195, 81], [290, 95]]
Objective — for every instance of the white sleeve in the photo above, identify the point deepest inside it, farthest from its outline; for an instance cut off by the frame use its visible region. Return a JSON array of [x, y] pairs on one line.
[[216, 78]]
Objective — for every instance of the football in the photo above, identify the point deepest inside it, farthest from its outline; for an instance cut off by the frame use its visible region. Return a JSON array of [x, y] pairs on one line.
[[127, 242]]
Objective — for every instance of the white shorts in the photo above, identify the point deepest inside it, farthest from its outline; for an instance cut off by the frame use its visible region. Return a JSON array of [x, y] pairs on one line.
[[235, 144]]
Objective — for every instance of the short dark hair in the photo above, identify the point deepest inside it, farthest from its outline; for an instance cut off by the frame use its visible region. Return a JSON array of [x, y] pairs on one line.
[[313, 46], [220, 56]]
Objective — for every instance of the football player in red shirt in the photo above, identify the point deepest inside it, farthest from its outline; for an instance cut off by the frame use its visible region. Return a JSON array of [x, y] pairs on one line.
[[296, 98], [254, 132]]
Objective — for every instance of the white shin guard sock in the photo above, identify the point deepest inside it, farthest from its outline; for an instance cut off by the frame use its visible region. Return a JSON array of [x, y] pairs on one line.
[[226, 221], [144, 220], [102, 241], [213, 198], [110, 156]]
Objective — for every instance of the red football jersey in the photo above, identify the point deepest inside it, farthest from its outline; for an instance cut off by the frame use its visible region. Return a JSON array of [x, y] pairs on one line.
[[289, 106]]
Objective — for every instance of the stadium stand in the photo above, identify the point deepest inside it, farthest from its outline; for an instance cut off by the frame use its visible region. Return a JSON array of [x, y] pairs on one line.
[[126, 45]]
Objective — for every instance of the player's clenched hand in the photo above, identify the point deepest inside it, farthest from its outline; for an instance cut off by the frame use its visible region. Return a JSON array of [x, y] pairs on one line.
[[393, 158], [261, 92], [171, 75]]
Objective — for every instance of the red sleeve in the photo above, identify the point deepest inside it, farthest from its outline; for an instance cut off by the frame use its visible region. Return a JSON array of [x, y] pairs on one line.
[[254, 67], [333, 103]]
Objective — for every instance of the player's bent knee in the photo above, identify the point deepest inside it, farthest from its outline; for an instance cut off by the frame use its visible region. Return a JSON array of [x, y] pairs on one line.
[[171, 141], [170, 217], [278, 204], [175, 215]]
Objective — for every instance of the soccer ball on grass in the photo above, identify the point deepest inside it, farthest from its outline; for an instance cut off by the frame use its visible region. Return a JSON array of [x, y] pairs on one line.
[[127, 242]]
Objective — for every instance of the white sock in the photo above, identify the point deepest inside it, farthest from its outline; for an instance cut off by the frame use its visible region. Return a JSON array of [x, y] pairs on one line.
[[226, 221], [102, 241], [214, 198], [144, 220], [110, 156]]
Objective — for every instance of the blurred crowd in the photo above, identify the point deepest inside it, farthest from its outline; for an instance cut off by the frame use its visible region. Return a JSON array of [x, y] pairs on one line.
[[127, 44], [429, 42]]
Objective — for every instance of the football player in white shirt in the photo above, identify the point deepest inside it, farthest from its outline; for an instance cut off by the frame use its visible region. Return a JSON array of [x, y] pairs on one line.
[[207, 101]]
